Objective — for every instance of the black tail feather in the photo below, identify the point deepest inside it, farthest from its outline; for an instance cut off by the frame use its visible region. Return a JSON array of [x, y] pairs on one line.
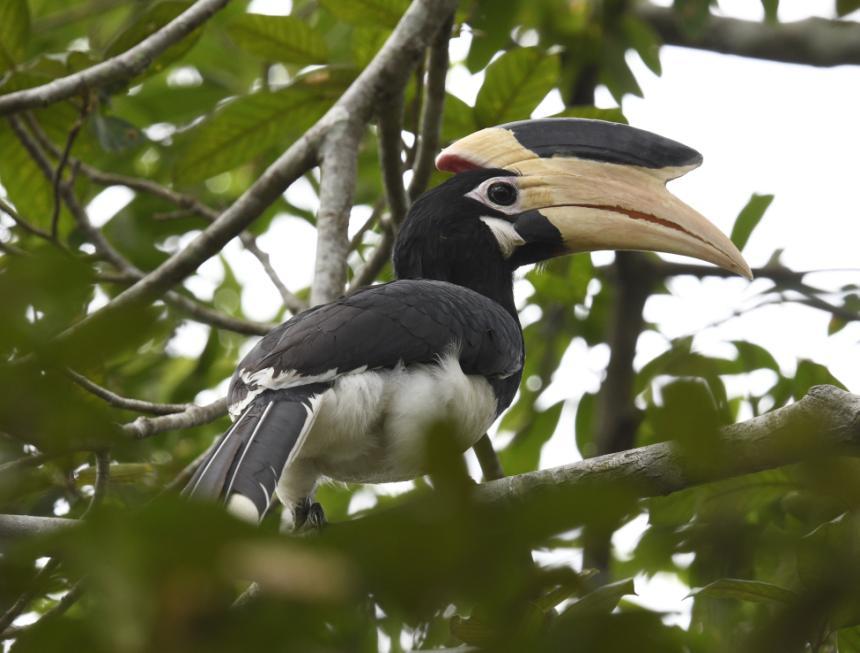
[[249, 458]]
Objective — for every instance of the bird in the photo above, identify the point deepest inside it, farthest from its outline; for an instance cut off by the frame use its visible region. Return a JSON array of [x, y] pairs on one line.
[[349, 390]]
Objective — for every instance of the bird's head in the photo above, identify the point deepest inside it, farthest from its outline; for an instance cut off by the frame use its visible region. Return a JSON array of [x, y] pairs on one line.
[[542, 188]]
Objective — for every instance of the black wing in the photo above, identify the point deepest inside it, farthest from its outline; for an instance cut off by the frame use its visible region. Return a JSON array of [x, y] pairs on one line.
[[402, 322]]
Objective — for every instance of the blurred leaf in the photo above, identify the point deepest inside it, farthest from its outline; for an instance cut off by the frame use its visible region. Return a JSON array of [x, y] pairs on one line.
[[753, 357], [810, 373], [523, 453], [115, 134], [491, 31], [28, 188], [514, 85], [150, 21], [603, 600], [14, 32], [849, 638], [748, 219], [278, 38], [593, 113], [850, 303], [367, 12], [845, 7], [615, 73], [458, 119], [746, 590], [644, 40], [246, 126]]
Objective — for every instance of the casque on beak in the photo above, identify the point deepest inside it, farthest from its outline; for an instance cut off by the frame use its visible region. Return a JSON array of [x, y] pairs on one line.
[[600, 185]]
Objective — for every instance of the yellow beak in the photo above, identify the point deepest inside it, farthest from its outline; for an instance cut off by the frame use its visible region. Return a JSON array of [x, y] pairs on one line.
[[601, 185]]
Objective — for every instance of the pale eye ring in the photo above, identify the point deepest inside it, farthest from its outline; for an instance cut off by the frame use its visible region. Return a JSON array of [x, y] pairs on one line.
[[502, 193]]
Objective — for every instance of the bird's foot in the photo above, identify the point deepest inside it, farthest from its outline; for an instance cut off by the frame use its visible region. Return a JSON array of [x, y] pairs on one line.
[[308, 516]]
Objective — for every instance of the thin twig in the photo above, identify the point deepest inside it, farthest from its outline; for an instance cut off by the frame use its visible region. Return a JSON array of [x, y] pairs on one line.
[[380, 257], [23, 224], [491, 466], [291, 301], [28, 461], [126, 403], [374, 217], [121, 67], [101, 483], [66, 602], [144, 427], [389, 128], [64, 160], [427, 143]]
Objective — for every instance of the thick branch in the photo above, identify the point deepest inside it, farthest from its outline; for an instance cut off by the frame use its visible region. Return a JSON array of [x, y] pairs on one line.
[[814, 41], [122, 67], [825, 421], [337, 185]]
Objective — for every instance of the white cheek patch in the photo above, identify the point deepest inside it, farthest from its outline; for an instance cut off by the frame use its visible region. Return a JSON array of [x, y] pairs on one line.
[[505, 234]]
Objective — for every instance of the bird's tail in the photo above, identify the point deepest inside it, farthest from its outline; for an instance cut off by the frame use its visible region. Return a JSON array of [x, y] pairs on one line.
[[244, 466]]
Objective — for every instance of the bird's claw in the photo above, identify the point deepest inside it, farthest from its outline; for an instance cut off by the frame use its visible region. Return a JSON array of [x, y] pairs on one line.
[[308, 516]]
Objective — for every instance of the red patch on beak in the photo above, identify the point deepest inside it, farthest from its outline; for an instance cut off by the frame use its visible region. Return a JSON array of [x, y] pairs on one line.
[[453, 163]]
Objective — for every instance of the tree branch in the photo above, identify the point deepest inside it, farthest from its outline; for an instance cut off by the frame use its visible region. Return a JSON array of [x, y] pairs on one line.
[[430, 125], [144, 427], [121, 67], [814, 41], [825, 422], [126, 403], [337, 185], [389, 128]]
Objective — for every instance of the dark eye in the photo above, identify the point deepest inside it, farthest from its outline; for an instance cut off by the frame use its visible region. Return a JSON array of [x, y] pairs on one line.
[[502, 194]]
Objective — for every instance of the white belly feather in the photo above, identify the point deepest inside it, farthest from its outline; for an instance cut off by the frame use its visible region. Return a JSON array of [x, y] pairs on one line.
[[370, 427]]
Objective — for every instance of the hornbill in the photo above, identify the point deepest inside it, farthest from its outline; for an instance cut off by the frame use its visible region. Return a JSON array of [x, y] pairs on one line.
[[348, 390]]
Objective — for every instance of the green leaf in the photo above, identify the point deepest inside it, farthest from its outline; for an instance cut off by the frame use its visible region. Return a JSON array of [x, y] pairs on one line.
[[247, 126], [515, 84], [523, 453], [28, 188], [152, 20], [754, 357], [810, 373], [603, 600], [278, 38], [843, 8], [849, 640], [593, 113], [458, 119], [755, 591], [748, 219], [615, 73], [367, 12], [644, 40], [115, 134], [14, 32]]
